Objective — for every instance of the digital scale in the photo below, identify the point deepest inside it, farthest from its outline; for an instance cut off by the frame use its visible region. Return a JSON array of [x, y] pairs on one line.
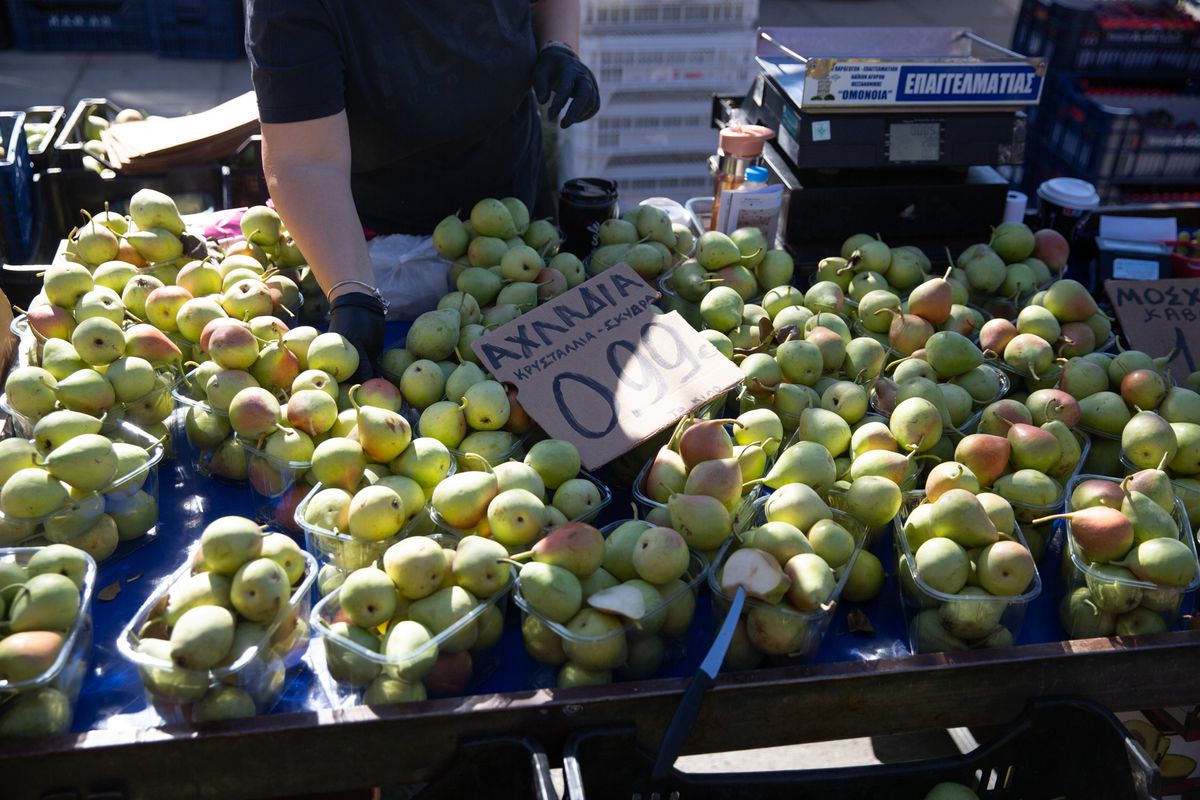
[[901, 142]]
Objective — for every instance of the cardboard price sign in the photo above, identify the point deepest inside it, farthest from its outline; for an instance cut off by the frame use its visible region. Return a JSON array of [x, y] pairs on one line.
[[597, 367], [1160, 316]]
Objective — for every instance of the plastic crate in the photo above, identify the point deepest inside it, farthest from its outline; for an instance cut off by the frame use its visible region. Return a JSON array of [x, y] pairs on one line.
[[242, 178], [1056, 748], [94, 25], [476, 765], [633, 15], [1117, 38], [1113, 134], [198, 28], [16, 189], [650, 122], [720, 61], [44, 155]]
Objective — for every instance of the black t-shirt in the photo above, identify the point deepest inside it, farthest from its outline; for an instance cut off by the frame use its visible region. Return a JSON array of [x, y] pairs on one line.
[[437, 95]]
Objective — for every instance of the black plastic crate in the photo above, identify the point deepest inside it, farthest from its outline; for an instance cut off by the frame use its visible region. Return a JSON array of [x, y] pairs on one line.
[[244, 182], [504, 768], [45, 156], [94, 25], [1056, 748], [1110, 37], [68, 144], [16, 190], [198, 28], [69, 189], [1111, 134]]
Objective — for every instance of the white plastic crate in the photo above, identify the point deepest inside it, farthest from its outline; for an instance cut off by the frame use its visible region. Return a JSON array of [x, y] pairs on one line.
[[649, 123], [627, 15], [715, 62]]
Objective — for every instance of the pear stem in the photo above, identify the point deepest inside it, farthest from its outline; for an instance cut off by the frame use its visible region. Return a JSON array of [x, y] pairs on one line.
[[1053, 517], [350, 395]]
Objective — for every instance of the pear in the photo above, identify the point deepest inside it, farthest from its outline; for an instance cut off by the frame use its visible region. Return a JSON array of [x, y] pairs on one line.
[[376, 513], [942, 564], [202, 637], [832, 542], [812, 581], [916, 424], [1147, 440], [971, 618], [660, 555], [776, 631], [798, 505], [1139, 622], [87, 462], [61, 559], [1148, 519], [30, 391], [479, 565], [416, 565], [339, 462], [804, 462], [1005, 568], [577, 547], [410, 650], [1101, 533], [426, 461], [31, 493], [873, 500], [949, 475], [383, 434], [515, 517], [260, 590], [779, 539], [703, 521], [229, 542], [27, 655], [1167, 562], [619, 547], [1153, 483], [444, 610], [346, 666], [705, 440], [1112, 588], [39, 712], [599, 641], [551, 591]]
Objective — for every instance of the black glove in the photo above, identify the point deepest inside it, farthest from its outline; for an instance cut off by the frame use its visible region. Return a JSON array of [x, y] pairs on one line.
[[557, 68], [359, 317]]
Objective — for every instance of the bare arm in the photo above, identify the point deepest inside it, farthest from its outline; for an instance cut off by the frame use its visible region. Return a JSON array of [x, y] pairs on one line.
[[307, 165], [556, 21]]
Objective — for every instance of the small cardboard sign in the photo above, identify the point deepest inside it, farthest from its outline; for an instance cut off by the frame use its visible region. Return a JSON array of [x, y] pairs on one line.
[[597, 367], [1160, 316]]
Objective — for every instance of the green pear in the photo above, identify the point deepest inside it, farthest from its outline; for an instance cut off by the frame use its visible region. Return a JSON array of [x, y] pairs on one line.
[[39, 712], [201, 589], [339, 462], [555, 460], [515, 517], [703, 521], [1113, 589], [463, 499], [229, 542], [1149, 520], [202, 637], [260, 590], [346, 666], [797, 504], [619, 547], [479, 566], [541, 642], [31, 493], [959, 516], [551, 591], [376, 513], [942, 564], [444, 609], [368, 597], [426, 460], [416, 566], [599, 641]]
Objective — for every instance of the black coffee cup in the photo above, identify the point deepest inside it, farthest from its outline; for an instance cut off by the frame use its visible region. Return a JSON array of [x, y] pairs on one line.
[[583, 204]]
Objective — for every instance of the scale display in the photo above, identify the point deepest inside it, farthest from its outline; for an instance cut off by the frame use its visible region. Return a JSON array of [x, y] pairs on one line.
[[910, 142]]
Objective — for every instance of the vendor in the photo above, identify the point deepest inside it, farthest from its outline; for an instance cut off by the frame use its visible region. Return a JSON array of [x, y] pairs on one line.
[[391, 116]]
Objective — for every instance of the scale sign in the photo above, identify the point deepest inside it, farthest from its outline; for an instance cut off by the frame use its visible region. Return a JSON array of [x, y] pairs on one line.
[[832, 83], [597, 366], [1160, 316]]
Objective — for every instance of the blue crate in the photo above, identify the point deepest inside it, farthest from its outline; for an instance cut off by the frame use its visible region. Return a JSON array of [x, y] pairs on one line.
[[198, 28], [16, 190], [1114, 39], [95, 25]]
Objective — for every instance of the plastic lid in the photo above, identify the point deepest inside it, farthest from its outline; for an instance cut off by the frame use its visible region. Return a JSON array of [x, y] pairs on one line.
[[756, 174], [745, 141], [1069, 193]]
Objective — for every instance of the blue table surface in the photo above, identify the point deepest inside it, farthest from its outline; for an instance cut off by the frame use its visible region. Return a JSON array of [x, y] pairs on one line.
[[112, 693]]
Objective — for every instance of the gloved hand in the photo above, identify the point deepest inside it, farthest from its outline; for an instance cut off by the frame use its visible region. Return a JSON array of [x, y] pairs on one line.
[[557, 68], [360, 318]]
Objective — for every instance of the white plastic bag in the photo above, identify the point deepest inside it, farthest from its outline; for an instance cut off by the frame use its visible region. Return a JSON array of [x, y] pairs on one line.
[[409, 272]]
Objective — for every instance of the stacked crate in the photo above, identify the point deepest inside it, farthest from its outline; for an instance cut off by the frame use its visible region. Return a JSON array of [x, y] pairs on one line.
[[1119, 108], [658, 63]]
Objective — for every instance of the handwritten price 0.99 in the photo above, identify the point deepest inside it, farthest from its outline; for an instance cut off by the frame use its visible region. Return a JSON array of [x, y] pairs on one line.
[[659, 352]]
